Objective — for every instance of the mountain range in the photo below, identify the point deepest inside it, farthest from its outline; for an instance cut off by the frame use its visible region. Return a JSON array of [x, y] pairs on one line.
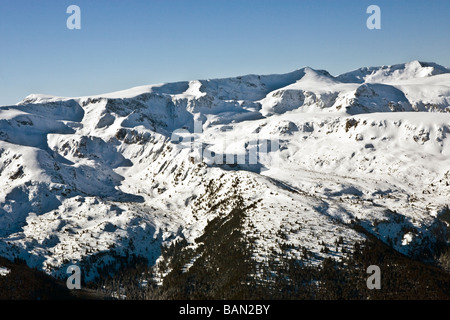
[[306, 156]]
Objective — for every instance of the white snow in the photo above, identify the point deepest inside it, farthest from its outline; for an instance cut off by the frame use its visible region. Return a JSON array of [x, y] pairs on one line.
[[82, 176], [407, 238], [4, 271]]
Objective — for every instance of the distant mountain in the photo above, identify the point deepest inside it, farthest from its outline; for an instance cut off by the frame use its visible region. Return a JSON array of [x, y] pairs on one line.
[[410, 70], [298, 162]]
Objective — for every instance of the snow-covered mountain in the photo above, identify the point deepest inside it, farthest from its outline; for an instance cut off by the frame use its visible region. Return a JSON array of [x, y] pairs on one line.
[[307, 154]]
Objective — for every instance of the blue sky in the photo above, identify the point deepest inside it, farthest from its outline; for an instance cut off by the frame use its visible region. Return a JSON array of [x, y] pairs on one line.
[[123, 44]]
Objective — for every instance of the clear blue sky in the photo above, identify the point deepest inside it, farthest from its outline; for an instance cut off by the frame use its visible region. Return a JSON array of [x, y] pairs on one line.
[[123, 44]]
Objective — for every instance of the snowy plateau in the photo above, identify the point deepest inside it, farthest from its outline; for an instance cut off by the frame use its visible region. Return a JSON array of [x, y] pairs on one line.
[[83, 177]]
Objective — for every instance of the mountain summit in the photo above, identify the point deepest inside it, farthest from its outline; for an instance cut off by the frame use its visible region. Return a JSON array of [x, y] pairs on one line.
[[405, 71]]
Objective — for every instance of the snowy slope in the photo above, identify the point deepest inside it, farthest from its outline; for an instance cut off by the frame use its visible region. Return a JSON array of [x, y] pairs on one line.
[[406, 71], [87, 179]]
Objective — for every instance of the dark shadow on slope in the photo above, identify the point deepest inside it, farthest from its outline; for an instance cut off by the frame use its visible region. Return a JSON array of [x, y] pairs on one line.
[[156, 112], [253, 159], [24, 283], [377, 97], [256, 168], [106, 264], [392, 229], [349, 190], [33, 134], [19, 206], [68, 110]]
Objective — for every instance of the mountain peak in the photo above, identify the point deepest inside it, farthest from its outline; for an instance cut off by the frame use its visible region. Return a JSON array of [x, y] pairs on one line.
[[409, 70]]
